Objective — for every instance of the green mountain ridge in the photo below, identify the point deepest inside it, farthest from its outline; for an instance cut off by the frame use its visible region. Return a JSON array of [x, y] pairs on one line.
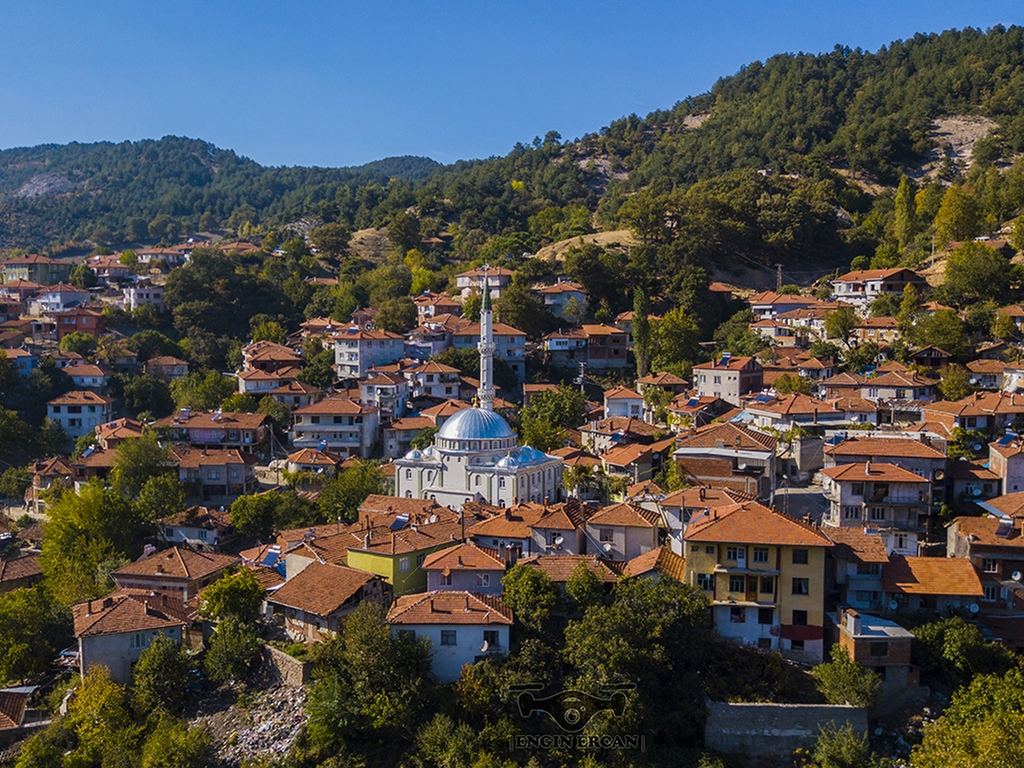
[[805, 121]]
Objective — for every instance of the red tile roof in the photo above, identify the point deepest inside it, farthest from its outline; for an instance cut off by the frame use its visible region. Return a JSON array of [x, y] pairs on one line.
[[753, 523], [321, 588], [931, 576], [177, 563], [904, 448], [466, 556], [560, 568], [128, 611], [662, 560], [449, 607], [872, 471], [626, 516]]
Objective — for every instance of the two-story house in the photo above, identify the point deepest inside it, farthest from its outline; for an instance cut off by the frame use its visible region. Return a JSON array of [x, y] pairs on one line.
[[764, 574], [863, 286], [894, 500], [561, 530], [79, 412], [556, 297], [357, 350], [340, 424], [622, 531], [465, 567], [36, 268], [315, 601], [606, 346], [727, 455], [995, 547], [177, 572], [623, 402], [474, 280], [728, 378], [509, 343], [462, 628], [220, 429]]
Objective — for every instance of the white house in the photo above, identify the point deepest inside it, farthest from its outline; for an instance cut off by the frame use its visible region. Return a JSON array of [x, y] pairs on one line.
[[622, 401], [357, 350], [344, 426], [462, 628], [79, 412], [497, 279]]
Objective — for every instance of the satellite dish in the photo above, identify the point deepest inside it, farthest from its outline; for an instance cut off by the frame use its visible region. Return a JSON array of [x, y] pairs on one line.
[[973, 608], [976, 492], [485, 647], [607, 547], [976, 447], [893, 605], [558, 541], [433, 518], [1015, 575]]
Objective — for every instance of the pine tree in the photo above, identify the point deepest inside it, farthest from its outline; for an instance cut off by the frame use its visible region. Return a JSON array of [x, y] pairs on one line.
[[905, 213], [641, 332]]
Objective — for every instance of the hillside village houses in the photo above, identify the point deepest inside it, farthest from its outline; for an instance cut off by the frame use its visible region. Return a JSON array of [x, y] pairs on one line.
[[683, 473]]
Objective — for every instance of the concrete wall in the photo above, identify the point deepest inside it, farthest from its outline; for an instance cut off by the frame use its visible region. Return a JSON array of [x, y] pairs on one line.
[[279, 667], [774, 729]]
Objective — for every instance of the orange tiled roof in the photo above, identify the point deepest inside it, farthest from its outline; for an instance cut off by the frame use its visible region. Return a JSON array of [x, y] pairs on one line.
[[696, 497], [661, 559], [514, 523], [753, 523], [982, 530], [625, 515], [81, 397], [177, 563], [19, 568], [128, 611], [321, 588], [858, 545], [904, 448], [872, 471], [931, 576], [449, 607], [560, 568], [335, 406], [467, 556], [622, 393], [730, 435], [565, 516]]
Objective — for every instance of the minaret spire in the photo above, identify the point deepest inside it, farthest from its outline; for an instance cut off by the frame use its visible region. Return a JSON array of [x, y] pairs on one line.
[[486, 347]]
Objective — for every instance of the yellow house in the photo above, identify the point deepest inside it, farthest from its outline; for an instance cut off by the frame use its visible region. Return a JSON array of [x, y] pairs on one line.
[[764, 574]]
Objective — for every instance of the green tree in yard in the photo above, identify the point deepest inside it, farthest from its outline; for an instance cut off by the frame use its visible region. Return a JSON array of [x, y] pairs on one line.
[[341, 496], [844, 681], [943, 329], [955, 382], [371, 683], [397, 315], [531, 595], [955, 650], [255, 515], [584, 588], [238, 595], [33, 629], [161, 496], [161, 678], [240, 402], [147, 393], [82, 343], [269, 330], [860, 357], [173, 743], [789, 383], [542, 435], [843, 748], [317, 364], [975, 272], [82, 277], [676, 342], [471, 307], [958, 217], [983, 726], [202, 392], [331, 239], [277, 411], [523, 309], [235, 652], [129, 258], [14, 482], [87, 530], [910, 308], [138, 460], [424, 438], [906, 210], [840, 324], [100, 719]]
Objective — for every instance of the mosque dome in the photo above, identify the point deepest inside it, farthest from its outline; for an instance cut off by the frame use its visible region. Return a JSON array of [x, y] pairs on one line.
[[476, 424]]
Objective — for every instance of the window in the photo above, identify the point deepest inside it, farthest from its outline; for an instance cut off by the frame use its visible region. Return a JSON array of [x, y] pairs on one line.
[[738, 615], [765, 616], [420, 559], [718, 380], [483, 579], [760, 554], [709, 550], [878, 513], [878, 650], [138, 640], [492, 638], [446, 579], [737, 583], [799, 557], [733, 553], [705, 581], [764, 643], [695, 549], [989, 565], [448, 637], [868, 569], [314, 419], [857, 489], [767, 585], [606, 534], [900, 540], [796, 645], [403, 564], [868, 596], [801, 587], [799, 618], [991, 594]]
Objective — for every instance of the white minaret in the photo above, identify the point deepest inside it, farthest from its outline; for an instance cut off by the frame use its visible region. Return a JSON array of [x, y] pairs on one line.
[[486, 346]]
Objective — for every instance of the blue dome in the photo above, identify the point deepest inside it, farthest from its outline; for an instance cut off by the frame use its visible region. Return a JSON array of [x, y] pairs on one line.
[[476, 424]]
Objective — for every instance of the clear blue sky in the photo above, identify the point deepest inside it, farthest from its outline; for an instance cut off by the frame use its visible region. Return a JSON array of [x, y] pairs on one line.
[[343, 83]]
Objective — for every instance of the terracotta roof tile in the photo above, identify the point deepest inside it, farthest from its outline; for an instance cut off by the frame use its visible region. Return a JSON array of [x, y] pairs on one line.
[[128, 611], [560, 568], [982, 531], [728, 435], [858, 545], [466, 556], [321, 588], [753, 523], [871, 447], [177, 563], [449, 607], [625, 515], [931, 576], [872, 471], [661, 559], [19, 568]]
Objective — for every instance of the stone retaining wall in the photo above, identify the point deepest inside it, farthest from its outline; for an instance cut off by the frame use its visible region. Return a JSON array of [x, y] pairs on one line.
[[774, 729], [279, 667]]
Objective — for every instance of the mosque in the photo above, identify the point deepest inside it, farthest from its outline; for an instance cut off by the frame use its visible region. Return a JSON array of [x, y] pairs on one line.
[[475, 455]]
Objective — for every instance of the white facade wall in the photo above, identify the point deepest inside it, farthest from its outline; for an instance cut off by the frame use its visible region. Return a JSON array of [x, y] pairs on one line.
[[448, 660]]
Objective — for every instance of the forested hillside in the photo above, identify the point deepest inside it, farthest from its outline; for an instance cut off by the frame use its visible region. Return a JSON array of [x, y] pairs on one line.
[[759, 168]]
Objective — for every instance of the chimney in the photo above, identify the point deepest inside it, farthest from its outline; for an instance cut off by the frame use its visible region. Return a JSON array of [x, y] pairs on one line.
[[467, 603], [867, 467], [702, 494], [431, 605], [366, 538], [547, 500]]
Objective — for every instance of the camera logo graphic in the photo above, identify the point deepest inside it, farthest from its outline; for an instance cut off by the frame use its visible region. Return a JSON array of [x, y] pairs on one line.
[[571, 710]]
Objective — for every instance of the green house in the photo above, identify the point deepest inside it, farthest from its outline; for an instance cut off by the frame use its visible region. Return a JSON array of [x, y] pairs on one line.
[[397, 555]]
